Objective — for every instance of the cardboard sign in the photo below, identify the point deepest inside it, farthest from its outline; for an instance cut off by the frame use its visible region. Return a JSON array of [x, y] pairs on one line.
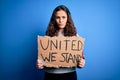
[[60, 51]]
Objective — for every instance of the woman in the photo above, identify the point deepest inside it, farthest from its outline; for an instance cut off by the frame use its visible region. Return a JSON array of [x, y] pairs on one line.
[[61, 24]]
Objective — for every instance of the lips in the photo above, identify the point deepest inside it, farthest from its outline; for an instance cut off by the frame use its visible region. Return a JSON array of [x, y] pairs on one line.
[[61, 24]]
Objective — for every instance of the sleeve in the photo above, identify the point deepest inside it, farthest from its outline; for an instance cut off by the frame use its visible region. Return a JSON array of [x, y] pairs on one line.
[[83, 55]]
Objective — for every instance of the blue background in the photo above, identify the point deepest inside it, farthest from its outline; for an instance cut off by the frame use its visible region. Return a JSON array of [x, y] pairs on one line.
[[96, 20]]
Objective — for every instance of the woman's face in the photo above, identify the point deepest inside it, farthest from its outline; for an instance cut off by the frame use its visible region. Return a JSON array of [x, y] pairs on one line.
[[61, 19]]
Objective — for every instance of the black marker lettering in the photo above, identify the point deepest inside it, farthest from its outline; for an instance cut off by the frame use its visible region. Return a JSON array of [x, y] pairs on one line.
[[44, 48], [52, 43]]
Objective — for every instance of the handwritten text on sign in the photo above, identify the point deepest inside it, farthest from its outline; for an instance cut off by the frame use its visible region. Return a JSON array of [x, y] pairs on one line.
[[60, 51]]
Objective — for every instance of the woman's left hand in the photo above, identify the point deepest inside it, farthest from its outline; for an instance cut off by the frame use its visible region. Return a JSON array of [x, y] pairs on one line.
[[81, 63]]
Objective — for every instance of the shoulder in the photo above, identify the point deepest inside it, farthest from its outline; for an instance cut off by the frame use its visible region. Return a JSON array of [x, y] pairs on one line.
[[80, 36], [77, 35]]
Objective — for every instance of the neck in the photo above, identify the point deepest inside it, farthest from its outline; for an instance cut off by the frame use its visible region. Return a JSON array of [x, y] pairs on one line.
[[61, 30]]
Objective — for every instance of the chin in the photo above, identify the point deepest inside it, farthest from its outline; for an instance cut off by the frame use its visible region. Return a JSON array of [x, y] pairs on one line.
[[62, 27]]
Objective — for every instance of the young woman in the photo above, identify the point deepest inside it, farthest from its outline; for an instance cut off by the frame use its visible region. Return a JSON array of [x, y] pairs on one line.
[[61, 24]]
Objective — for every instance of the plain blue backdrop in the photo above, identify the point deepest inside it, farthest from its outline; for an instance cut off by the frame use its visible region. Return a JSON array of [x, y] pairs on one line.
[[98, 21]]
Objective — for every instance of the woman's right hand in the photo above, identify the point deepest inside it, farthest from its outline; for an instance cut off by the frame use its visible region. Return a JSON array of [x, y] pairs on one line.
[[39, 64]]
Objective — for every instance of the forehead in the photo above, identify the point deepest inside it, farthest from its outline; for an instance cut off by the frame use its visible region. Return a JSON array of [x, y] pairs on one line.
[[60, 13]]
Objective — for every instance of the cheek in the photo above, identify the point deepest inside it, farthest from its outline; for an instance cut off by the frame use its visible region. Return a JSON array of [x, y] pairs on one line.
[[66, 21], [57, 21]]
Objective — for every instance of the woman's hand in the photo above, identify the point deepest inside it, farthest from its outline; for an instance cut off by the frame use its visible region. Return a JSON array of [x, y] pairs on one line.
[[39, 64], [81, 63]]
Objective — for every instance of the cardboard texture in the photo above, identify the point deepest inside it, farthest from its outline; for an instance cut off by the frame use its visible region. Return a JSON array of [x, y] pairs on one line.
[[60, 51]]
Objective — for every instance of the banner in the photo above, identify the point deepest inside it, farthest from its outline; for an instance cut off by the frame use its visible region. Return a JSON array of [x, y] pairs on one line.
[[60, 51]]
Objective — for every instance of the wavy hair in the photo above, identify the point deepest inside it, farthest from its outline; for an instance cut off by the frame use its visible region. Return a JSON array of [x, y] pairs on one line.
[[52, 29]]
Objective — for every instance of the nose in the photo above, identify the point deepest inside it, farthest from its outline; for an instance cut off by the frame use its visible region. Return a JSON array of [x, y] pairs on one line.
[[60, 20]]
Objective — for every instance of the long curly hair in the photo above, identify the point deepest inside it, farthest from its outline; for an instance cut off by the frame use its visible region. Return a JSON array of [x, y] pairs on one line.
[[52, 29]]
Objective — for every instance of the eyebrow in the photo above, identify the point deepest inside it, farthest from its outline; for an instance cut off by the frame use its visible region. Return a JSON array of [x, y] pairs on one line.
[[60, 16]]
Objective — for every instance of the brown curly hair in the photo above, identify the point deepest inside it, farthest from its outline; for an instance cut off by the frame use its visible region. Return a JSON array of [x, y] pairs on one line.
[[69, 29]]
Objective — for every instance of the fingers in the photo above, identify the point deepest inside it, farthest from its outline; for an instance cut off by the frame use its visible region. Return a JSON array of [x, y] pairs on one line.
[[81, 62], [39, 64]]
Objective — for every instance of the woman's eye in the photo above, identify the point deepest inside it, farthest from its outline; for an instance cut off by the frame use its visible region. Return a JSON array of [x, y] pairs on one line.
[[57, 17], [63, 17]]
